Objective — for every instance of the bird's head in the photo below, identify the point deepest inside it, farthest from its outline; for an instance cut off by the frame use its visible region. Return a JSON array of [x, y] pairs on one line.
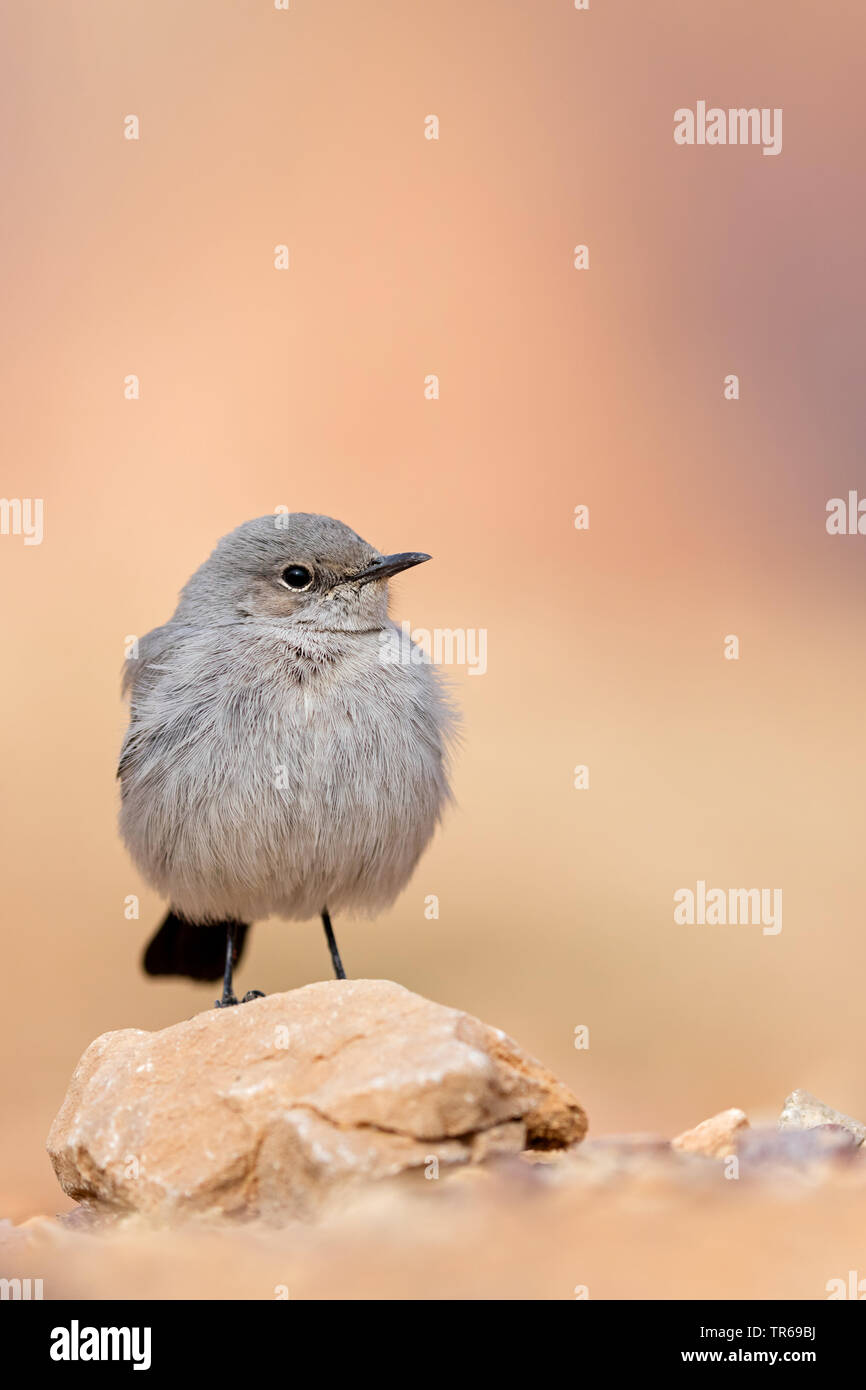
[[294, 568]]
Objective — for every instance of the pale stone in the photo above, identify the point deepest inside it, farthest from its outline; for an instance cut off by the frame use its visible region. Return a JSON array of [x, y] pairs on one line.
[[270, 1107], [715, 1138], [805, 1111]]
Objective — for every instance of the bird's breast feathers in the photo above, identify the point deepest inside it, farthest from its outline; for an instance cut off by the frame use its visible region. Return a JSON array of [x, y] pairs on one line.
[[281, 770]]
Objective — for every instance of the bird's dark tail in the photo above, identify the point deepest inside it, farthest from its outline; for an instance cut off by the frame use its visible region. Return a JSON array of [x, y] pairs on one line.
[[198, 952]]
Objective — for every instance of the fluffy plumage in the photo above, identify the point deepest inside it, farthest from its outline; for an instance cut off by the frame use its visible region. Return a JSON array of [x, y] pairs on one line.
[[276, 761]]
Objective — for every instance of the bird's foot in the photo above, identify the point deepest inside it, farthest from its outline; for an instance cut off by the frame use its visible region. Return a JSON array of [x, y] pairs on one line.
[[229, 999]]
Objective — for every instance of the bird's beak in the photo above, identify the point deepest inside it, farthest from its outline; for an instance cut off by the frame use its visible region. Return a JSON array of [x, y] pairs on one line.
[[390, 564]]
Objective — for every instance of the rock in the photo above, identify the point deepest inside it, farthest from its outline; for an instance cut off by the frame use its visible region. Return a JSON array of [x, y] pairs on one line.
[[805, 1111], [715, 1138], [272, 1107]]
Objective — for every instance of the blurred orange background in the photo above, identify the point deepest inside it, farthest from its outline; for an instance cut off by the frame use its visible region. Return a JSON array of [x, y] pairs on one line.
[[604, 387]]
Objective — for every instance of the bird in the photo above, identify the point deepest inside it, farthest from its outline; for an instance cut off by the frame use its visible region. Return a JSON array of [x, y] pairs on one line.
[[286, 754]]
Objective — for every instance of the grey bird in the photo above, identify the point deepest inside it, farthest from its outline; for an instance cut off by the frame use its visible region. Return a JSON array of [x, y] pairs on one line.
[[283, 757]]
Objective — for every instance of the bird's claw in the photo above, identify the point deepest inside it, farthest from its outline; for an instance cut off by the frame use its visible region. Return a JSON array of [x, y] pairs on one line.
[[227, 1000]]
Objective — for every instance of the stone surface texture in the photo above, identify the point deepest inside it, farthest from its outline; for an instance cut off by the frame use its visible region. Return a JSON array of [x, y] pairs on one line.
[[805, 1111], [715, 1138], [273, 1107]]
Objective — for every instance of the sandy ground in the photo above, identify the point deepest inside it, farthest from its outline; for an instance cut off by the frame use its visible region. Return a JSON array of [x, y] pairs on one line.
[[595, 1224]]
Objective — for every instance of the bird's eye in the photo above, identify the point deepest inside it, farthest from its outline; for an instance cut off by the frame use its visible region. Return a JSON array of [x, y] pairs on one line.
[[297, 577]]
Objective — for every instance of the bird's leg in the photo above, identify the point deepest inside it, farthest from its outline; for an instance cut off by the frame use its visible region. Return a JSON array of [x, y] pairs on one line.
[[231, 960], [231, 952], [332, 945]]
